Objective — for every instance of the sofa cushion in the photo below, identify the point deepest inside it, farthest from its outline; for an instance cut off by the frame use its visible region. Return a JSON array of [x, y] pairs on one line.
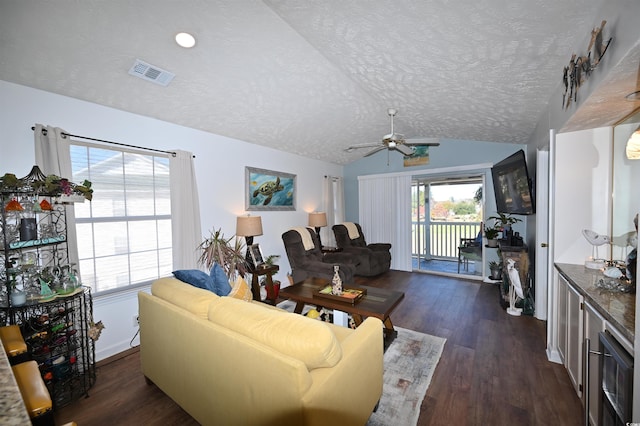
[[310, 341], [221, 281], [190, 298], [241, 290], [216, 281], [195, 277]]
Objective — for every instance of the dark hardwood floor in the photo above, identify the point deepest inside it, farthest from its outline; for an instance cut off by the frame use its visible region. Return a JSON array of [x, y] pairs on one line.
[[493, 370]]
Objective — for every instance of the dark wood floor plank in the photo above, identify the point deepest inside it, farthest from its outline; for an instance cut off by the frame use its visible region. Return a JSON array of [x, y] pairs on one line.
[[453, 395], [493, 369]]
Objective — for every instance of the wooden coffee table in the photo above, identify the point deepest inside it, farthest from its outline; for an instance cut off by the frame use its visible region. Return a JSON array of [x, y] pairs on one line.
[[377, 303]]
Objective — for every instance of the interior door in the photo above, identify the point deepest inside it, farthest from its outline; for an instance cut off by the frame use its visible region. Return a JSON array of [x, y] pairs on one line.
[[542, 234]]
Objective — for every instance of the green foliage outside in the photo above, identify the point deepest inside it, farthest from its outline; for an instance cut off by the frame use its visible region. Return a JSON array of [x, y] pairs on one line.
[[464, 207]]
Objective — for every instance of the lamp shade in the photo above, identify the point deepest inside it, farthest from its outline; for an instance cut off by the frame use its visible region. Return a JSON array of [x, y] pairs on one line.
[[248, 226], [633, 146], [317, 219]]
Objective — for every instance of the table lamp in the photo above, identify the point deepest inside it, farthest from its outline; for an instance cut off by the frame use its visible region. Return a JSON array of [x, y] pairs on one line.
[[248, 227], [318, 220]]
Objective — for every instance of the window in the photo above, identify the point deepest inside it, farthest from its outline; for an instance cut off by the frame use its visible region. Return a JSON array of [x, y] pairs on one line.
[[124, 233]]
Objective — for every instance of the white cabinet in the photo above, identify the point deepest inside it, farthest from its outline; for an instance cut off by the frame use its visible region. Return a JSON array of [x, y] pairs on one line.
[[562, 287], [573, 358], [578, 321], [594, 323], [570, 331]]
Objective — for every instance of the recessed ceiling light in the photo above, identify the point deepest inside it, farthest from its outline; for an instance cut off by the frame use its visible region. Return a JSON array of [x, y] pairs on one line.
[[185, 40], [635, 96]]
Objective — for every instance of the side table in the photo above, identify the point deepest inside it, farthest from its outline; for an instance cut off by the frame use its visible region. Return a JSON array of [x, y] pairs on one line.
[[268, 271]]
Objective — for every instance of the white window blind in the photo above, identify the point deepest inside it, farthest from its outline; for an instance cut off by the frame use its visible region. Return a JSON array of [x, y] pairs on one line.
[[385, 215], [124, 233]]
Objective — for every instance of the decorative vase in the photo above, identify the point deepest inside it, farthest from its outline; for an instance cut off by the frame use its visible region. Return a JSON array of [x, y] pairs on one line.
[[18, 298], [496, 273], [273, 291], [28, 229], [336, 283]]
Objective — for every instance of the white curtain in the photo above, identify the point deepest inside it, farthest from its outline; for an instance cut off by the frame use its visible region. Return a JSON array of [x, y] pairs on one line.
[[53, 158], [333, 206], [385, 215], [185, 211]]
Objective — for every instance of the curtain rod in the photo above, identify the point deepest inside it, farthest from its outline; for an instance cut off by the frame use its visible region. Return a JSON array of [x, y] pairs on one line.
[[44, 131]]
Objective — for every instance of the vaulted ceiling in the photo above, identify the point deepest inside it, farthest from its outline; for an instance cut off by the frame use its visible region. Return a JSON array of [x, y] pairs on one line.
[[307, 77]]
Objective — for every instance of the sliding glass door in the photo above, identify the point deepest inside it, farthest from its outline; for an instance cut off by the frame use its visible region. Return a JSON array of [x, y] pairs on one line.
[[447, 215]]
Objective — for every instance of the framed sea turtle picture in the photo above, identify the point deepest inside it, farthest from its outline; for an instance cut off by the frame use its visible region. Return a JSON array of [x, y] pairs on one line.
[[269, 190]]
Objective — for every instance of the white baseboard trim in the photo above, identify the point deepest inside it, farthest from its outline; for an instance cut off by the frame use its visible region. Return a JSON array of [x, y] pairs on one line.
[[115, 349], [554, 356]]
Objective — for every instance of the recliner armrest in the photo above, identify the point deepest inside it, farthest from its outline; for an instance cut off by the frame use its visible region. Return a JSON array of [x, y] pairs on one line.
[[346, 270], [380, 246], [340, 258], [364, 251]]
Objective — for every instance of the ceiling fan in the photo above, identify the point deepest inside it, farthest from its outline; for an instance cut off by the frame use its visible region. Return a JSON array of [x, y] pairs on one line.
[[395, 141]]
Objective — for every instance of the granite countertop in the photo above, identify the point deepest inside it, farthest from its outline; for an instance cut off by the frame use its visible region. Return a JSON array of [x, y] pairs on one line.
[[12, 409], [616, 307]]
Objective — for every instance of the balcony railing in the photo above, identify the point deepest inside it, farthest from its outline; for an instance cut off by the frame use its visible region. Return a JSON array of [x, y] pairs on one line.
[[442, 239]]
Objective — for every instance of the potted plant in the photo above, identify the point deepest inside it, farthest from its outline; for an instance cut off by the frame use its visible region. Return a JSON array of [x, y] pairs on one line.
[[271, 259], [496, 270], [18, 296], [219, 249], [272, 293], [491, 233], [504, 220]]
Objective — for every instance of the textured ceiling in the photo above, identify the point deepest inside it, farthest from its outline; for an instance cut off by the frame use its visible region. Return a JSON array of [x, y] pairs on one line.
[[308, 77]]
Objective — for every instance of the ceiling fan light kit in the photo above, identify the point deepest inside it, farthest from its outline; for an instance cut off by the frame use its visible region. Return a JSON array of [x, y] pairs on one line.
[[395, 141]]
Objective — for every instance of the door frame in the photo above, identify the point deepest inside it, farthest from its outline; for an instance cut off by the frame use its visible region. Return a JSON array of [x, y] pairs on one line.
[[441, 174], [542, 234]]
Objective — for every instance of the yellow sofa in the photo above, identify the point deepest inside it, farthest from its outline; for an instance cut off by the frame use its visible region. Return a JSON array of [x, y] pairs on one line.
[[230, 362]]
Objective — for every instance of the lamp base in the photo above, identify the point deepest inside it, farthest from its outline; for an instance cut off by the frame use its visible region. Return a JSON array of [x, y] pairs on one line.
[[318, 233], [247, 257]]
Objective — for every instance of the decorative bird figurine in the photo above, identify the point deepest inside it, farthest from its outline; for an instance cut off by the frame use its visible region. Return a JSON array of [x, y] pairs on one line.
[[595, 240], [515, 288]]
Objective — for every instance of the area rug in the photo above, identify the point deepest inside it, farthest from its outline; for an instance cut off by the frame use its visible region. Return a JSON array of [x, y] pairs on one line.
[[409, 364]]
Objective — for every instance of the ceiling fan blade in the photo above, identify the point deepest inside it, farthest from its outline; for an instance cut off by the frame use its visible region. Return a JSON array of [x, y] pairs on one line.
[[406, 150], [423, 141], [366, 145], [380, 148]]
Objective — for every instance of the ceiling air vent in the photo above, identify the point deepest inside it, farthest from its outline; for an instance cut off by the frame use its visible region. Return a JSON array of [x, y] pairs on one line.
[[151, 73]]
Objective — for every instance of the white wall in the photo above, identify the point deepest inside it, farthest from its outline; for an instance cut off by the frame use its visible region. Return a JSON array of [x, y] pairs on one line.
[[220, 164], [582, 192]]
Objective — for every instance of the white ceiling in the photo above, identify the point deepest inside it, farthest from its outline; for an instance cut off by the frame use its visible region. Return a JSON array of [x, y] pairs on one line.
[[308, 77]]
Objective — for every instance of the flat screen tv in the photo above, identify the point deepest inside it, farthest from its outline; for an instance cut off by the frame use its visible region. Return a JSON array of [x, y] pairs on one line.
[[512, 185]]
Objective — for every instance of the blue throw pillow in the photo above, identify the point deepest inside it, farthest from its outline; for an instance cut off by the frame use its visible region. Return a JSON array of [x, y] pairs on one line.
[[221, 282], [196, 278]]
